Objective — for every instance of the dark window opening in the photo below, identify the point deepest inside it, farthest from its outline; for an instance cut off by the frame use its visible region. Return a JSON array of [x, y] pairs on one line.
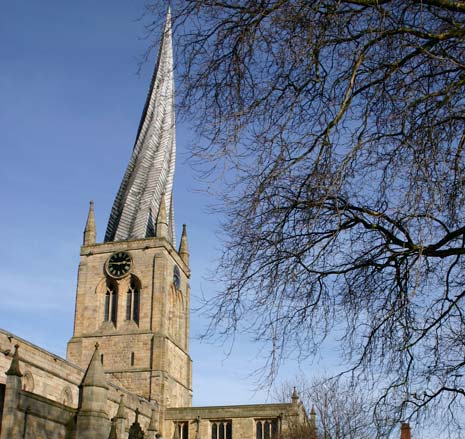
[[132, 358], [114, 306], [107, 307], [101, 359], [135, 313], [221, 430], [128, 305], [132, 301], [2, 400], [266, 429], [177, 277], [183, 430]]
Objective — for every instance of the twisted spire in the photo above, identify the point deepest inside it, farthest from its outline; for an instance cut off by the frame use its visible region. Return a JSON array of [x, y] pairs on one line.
[[150, 170]]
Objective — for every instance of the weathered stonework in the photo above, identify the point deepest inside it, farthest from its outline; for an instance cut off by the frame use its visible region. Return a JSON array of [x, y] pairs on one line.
[[49, 411], [150, 357]]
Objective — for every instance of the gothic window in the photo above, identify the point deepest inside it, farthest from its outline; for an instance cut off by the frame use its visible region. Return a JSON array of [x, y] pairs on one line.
[[221, 430], [111, 302], [133, 300], [266, 428], [176, 277], [183, 429]]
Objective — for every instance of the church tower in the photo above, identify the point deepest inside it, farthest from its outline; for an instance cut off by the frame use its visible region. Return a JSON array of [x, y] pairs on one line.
[[133, 289]]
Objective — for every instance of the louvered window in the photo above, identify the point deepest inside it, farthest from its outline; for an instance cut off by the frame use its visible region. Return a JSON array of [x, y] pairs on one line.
[[111, 303], [133, 301]]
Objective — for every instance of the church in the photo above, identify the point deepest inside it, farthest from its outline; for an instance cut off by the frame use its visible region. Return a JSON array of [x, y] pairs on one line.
[[128, 373]]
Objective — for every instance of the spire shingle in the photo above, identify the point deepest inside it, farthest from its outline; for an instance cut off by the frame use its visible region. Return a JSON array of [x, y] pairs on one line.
[[150, 171]]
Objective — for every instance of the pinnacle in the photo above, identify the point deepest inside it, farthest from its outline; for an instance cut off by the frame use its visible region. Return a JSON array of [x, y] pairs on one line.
[[162, 223], [153, 426], [90, 234], [295, 395], [120, 414], [95, 376], [183, 247]]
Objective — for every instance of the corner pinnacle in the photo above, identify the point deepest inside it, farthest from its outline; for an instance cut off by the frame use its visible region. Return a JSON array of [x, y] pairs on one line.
[[162, 220], [90, 234], [95, 376], [153, 426], [120, 414], [183, 247]]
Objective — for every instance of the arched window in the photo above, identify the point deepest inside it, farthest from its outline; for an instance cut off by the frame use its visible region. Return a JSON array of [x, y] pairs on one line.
[[133, 300], [176, 277], [266, 429], [221, 429], [111, 303]]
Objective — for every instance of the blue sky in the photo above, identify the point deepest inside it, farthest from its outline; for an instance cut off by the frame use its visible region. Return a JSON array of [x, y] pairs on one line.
[[70, 103]]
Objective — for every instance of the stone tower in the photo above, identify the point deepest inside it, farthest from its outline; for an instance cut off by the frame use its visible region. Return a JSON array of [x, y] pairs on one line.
[[133, 289]]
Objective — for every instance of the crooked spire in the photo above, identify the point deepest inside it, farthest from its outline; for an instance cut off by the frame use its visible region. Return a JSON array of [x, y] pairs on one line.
[[150, 171]]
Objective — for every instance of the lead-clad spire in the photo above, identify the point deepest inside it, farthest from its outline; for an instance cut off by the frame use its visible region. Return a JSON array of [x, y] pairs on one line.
[[150, 171]]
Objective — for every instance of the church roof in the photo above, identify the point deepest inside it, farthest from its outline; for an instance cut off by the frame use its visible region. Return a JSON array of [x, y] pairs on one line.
[[150, 171]]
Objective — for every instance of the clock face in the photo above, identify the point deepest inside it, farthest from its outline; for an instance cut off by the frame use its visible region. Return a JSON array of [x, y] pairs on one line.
[[119, 264]]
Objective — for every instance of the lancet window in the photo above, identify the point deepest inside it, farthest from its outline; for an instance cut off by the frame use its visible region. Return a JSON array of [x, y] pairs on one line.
[[221, 430], [111, 303], [133, 300], [266, 428]]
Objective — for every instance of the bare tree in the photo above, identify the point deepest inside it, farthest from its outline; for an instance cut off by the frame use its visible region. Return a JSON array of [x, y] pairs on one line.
[[337, 409], [337, 129]]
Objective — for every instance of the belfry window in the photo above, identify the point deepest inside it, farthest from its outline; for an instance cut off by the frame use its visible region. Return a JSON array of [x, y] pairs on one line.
[[221, 430], [266, 428], [111, 303], [176, 277], [133, 301]]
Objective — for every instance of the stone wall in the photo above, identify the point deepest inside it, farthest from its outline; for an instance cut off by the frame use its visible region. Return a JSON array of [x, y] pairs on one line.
[[243, 418], [45, 403]]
